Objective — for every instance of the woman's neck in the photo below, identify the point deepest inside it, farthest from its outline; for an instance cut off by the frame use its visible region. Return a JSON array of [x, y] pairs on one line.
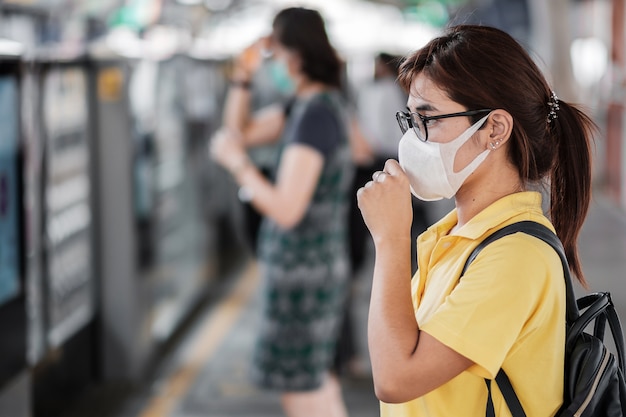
[[307, 88], [469, 203]]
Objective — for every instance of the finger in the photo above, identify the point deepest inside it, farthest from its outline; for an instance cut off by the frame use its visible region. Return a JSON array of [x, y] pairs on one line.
[[219, 141], [392, 167], [219, 135], [359, 195], [362, 190], [214, 150], [379, 176]]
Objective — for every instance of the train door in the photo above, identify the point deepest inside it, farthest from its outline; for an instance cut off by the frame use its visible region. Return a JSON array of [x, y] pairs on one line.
[[68, 276]]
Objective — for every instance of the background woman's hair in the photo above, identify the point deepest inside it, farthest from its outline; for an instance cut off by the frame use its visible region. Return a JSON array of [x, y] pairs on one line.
[[482, 67], [303, 31], [391, 62]]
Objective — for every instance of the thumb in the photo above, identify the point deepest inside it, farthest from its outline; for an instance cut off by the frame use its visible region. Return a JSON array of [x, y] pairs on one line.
[[392, 167]]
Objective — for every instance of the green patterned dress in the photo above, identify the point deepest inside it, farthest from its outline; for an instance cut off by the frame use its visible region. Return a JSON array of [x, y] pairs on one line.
[[305, 269]]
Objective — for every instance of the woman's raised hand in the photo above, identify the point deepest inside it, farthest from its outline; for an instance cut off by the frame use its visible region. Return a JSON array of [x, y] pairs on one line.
[[250, 59], [385, 203]]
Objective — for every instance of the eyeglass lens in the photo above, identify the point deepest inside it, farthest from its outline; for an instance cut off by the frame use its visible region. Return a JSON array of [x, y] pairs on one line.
[[403, 121], [407, 121]]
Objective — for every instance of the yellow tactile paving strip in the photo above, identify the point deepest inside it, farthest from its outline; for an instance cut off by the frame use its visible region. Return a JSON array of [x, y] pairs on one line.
[[201, 349]]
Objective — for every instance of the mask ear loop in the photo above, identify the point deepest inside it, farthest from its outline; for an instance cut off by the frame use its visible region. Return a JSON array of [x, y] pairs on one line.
[[454, 145]]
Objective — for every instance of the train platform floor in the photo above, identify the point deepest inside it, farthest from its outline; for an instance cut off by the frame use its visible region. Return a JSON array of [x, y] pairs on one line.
[[206, 374]]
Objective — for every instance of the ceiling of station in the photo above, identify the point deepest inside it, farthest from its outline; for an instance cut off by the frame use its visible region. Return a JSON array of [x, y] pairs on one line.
[[217, 28], [235, 24]]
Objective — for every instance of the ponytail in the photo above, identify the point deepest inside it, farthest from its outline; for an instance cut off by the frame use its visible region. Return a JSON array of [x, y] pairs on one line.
[[572, 130]]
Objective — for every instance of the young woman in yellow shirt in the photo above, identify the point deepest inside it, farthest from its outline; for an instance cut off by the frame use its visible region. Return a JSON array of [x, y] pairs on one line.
[[482, 126]]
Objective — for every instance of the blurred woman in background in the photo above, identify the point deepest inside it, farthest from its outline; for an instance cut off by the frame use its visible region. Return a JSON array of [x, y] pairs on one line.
[[303, 240]]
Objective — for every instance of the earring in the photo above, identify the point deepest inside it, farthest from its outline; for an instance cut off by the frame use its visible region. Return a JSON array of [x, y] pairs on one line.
[[493, 146]]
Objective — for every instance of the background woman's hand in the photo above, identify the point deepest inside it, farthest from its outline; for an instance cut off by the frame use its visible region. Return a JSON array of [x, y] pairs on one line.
[[385, 203], [250, 60], [227, 149]]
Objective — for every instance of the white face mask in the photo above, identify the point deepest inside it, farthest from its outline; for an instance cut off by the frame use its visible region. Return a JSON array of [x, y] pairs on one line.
[[430, 165]]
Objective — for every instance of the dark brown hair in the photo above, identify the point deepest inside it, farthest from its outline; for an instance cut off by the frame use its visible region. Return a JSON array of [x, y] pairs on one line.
[[303, 31], [481, 67]]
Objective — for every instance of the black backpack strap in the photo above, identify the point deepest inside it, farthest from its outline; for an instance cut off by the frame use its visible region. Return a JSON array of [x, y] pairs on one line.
[[541, 232], [490, 411], [616, 331], [599, 308], [509, 396]]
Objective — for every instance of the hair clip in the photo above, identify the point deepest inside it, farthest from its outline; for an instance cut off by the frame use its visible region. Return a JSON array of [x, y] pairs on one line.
[[553, 103]]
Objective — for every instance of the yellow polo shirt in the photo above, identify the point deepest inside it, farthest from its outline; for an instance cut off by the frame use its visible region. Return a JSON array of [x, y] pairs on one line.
[[507, 311]]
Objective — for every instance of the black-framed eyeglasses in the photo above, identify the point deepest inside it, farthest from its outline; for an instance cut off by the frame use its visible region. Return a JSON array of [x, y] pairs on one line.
[[420, 124]]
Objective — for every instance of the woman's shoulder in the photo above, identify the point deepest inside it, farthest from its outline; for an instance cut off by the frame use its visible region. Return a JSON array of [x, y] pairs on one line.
[[522, 261], [318, 122], [329, 100], [320, 108]]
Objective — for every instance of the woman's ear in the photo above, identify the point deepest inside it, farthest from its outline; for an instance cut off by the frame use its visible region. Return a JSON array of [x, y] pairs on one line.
[[499, 127]]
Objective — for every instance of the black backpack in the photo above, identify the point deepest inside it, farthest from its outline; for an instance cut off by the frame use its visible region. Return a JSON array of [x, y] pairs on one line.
[[594, 379]]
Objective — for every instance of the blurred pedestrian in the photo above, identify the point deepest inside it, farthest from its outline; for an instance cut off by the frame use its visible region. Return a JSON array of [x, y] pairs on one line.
[[484, 127], [374, 140], [303, 240], [377, 104]]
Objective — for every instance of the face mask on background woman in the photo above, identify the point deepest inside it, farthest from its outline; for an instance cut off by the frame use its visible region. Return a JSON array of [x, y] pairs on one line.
[[279, 75]]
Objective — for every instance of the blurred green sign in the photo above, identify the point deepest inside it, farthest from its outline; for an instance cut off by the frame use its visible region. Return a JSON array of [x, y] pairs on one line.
[[432, 12], [137, 14]]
